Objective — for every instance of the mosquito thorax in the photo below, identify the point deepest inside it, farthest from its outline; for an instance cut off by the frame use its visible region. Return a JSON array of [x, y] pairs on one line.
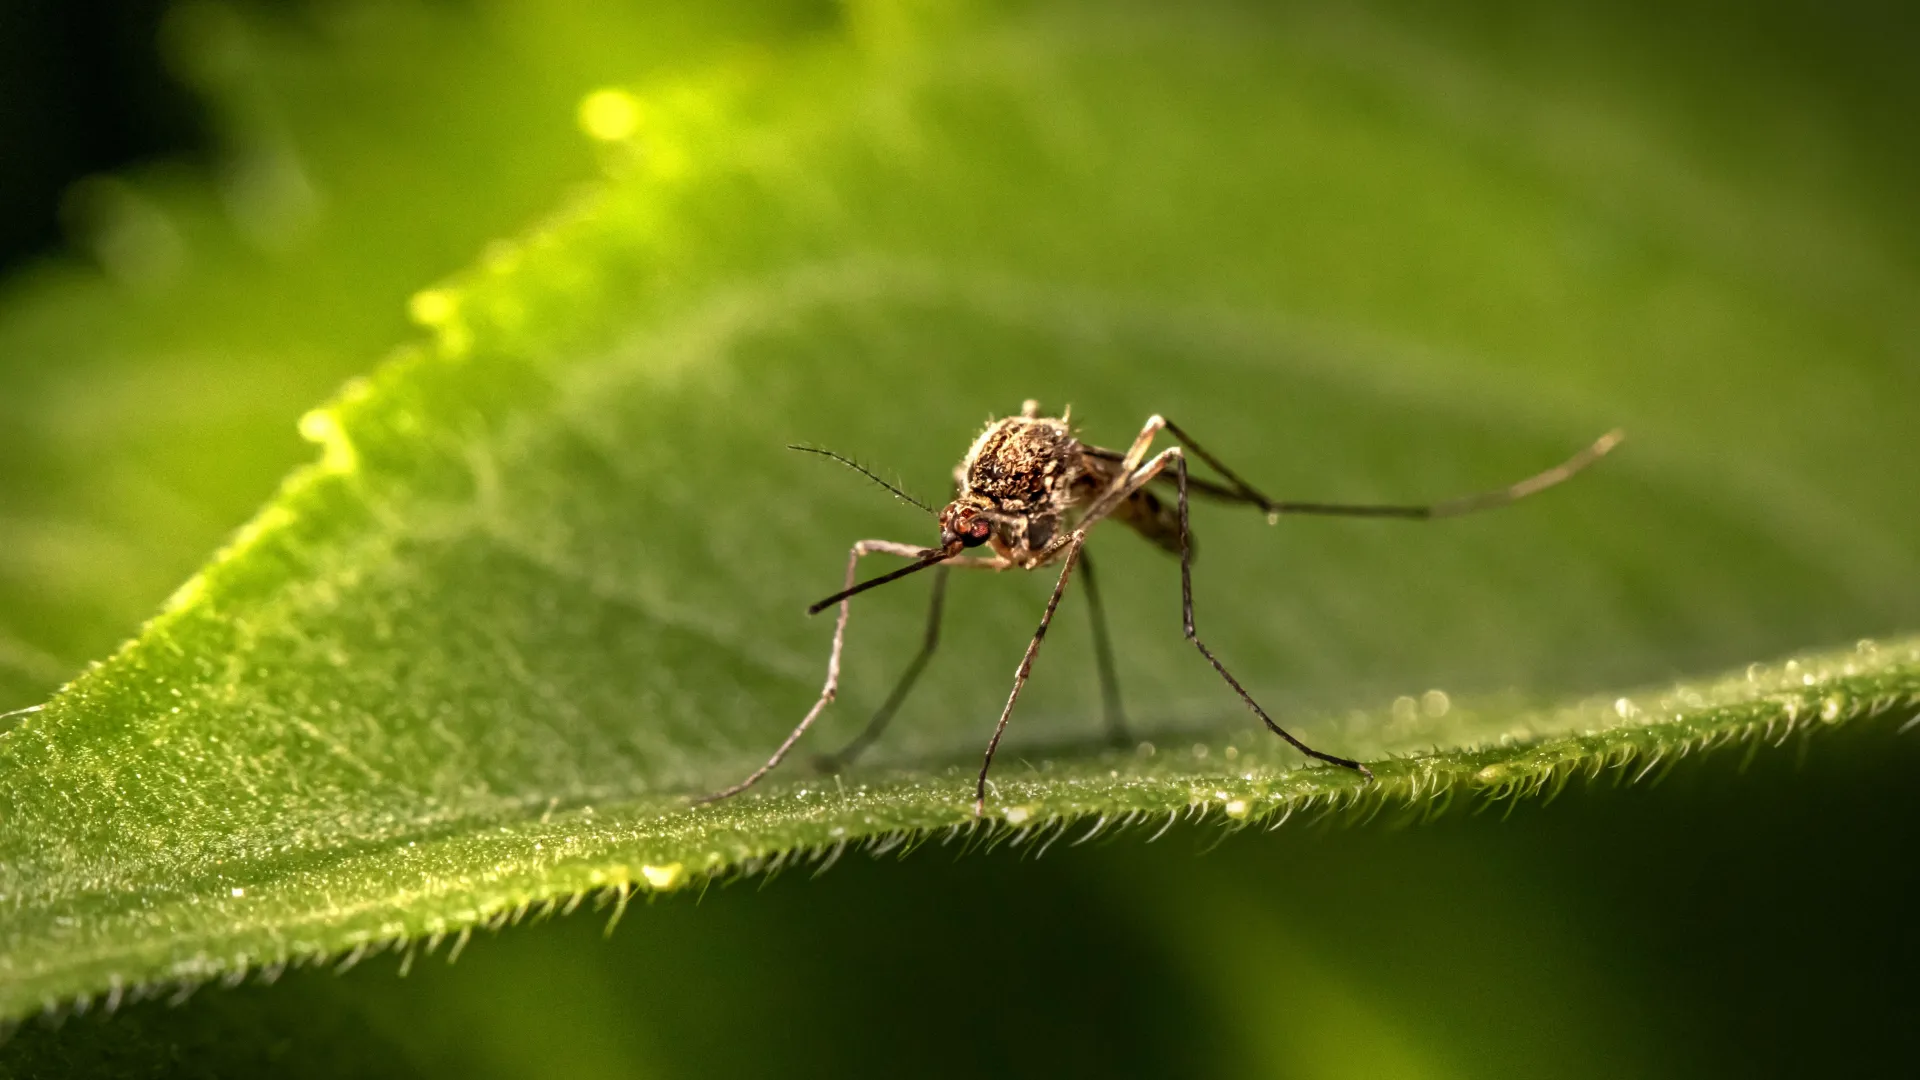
[[1022, 465]]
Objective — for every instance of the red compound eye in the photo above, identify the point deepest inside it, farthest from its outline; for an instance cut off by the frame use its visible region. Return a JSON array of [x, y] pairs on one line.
[[965, 526]]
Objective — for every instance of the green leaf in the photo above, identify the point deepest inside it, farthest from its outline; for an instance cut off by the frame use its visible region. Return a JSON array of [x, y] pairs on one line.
[[543, 582]]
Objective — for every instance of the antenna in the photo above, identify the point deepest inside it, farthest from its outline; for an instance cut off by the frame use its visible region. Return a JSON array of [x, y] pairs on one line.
[[866, 472]]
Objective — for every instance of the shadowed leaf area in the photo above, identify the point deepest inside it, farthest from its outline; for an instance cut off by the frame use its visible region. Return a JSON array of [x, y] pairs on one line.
[[544, 581]]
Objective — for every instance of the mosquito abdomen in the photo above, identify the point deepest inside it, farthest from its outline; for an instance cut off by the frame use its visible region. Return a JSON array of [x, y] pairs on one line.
[[1153, 518]]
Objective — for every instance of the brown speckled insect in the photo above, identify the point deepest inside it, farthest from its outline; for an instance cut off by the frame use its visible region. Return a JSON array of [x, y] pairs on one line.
[[1030, 492]]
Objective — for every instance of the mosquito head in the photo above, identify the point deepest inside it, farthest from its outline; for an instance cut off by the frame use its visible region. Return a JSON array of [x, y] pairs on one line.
[[964, 524]]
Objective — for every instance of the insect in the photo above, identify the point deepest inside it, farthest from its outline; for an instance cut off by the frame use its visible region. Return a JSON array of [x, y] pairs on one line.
[[1029, 491]]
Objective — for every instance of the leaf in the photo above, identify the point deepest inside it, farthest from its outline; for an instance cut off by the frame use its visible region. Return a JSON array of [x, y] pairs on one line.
[[543, 582]]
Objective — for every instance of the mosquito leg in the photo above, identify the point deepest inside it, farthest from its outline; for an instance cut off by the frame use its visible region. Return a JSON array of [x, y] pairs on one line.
[[1026, 666], [837, 761], [1103, 656], [1139, 478], [1241, 491], [1240, 487], [1137, 453], [832, 688], [1186, 614], [1130, 475], [1123, 486]]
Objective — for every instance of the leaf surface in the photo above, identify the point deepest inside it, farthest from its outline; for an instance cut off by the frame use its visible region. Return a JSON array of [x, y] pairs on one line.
[[544, 581]]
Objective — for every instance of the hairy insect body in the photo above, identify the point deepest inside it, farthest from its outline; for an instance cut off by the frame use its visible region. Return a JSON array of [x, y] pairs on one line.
[[1032, 478], [1026, 474]]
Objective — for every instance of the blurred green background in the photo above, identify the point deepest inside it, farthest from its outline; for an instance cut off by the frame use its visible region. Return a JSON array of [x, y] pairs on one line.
[[248, 212]]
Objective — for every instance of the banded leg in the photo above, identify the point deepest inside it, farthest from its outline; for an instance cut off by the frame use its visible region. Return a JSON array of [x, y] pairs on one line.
[[832, 688], [1073, 544], [1103, 658], [1142, 476], [837, 761]]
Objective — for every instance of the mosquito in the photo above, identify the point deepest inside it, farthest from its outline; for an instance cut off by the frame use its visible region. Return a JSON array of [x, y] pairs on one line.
[[1030, 491]]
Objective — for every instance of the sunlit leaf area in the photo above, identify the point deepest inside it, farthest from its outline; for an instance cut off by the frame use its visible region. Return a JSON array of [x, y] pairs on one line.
[[398, 535]]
